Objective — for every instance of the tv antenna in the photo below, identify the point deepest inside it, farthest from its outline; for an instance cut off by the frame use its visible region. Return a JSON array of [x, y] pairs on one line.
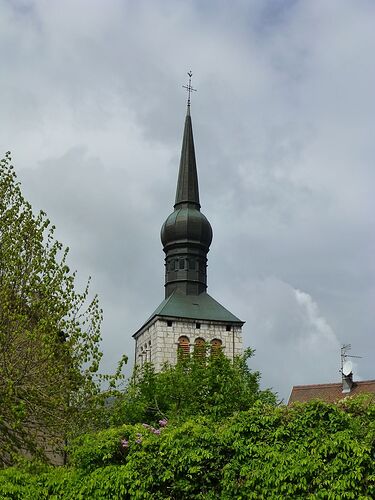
[[346, 364]]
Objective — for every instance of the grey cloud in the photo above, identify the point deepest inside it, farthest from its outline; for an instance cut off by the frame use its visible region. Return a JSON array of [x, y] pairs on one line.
[[92, 107]]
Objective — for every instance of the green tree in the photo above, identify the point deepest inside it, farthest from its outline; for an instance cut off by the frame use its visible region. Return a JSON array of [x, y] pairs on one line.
[[49, 332], [199, 384], [310, 450]]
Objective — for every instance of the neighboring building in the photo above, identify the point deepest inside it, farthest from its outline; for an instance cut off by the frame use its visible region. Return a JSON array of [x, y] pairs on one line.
[[188, 318], [331, 393]]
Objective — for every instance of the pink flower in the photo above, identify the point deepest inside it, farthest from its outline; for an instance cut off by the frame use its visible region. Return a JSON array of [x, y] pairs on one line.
[[124, 443], [138, 441], [156, 431], [163, 422]]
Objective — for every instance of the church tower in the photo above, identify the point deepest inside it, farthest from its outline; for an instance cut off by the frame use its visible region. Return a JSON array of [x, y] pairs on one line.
[[188, 317]]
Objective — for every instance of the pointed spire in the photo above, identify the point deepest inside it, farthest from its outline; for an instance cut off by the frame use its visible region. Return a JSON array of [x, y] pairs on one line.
[[187, 185], [186, 234]]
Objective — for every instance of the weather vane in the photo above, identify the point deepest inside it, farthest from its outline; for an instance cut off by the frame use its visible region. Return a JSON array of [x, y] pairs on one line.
[[189, 88]]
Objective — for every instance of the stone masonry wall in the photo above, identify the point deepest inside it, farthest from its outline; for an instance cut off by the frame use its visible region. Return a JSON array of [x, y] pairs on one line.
[[158, 343]]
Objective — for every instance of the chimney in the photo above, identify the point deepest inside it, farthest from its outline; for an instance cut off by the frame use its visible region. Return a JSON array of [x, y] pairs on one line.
[[347, 383]]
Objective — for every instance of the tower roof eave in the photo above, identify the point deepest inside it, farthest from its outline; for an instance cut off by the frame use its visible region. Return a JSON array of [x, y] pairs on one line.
[[194, 307]]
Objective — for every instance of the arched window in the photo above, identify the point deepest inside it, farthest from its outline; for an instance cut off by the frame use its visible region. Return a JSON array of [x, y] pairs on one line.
[[216, 346], [183, 346], [200, 348]]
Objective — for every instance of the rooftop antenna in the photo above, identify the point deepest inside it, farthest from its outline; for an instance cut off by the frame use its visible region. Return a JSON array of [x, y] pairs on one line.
[[346, 364], [189, 88]]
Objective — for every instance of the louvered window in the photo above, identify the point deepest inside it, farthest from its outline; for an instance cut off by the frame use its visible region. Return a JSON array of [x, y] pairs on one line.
[[216, 346], [200, 348], [183, 346]]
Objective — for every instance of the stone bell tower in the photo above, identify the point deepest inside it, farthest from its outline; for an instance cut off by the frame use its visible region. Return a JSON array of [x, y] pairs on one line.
[[188, 317]]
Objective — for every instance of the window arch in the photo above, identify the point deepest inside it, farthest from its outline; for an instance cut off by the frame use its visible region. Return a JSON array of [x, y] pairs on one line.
[[216, 346], [200, 347], [183, 346]]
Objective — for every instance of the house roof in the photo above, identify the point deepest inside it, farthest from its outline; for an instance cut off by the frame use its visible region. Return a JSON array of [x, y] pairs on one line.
[[199, 307], [329, 392]]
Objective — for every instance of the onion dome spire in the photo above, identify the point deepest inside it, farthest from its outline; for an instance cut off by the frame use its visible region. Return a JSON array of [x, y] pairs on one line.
[[186, 234]]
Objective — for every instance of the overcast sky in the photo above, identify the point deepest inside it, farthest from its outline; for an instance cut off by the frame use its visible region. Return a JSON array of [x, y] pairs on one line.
[[92, 108]]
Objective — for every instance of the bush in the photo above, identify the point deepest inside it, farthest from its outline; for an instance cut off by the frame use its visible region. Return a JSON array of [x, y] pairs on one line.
[[310, 450]]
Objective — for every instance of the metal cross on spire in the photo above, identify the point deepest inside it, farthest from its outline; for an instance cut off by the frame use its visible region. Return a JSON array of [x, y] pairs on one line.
[[189, 88]]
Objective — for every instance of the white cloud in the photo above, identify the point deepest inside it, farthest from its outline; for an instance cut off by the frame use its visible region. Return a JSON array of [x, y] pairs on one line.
[[290, 335]]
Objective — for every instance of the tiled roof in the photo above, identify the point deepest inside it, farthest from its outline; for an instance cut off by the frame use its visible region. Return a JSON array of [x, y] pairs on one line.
[[329, 392]]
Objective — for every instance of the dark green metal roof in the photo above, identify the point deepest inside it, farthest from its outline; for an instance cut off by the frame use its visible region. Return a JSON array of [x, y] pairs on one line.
[[186, 234], [199, 307], [189, 225], [187, 184]]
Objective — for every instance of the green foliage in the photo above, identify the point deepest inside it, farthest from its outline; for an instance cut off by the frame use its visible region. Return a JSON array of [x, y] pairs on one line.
[[212, 385], [311, 450], [49, 332], [93, 450]]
